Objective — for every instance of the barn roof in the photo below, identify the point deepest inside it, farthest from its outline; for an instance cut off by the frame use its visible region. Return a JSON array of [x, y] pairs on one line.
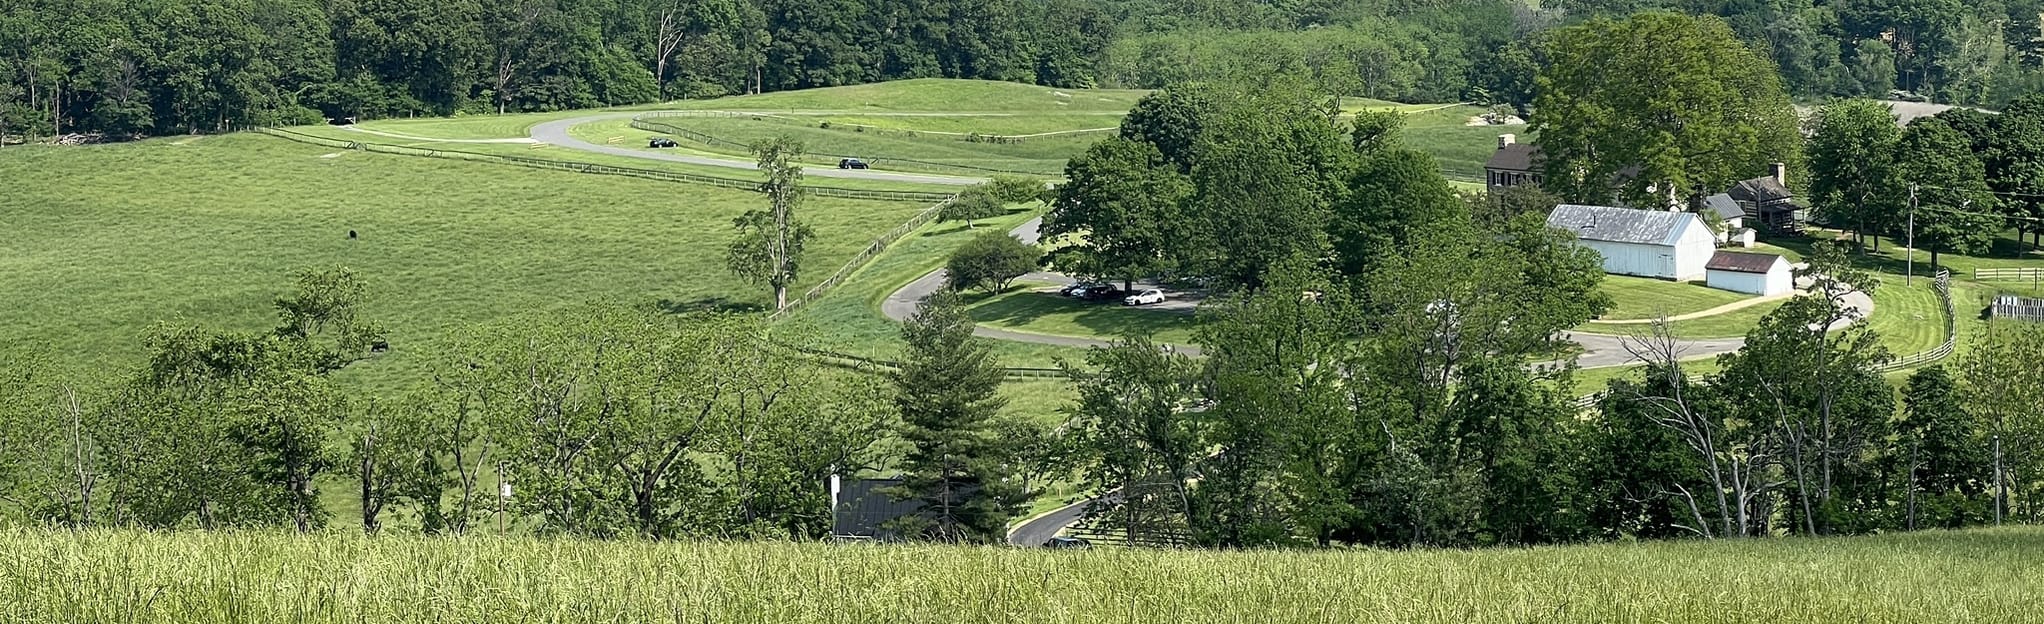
[[1514, 157], [1742, 262], [1723, 207], [1620, 225], [864, 508]]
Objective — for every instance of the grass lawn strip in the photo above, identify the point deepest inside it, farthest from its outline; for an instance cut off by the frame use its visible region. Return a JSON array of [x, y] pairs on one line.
[[1039, 309], [1635, 298]]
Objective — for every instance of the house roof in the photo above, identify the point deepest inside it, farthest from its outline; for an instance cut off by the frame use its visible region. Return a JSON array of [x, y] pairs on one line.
[[1620, 225], [1759, 190], [1742, 262], [1514, 157], [864, 508], [1723, 207]]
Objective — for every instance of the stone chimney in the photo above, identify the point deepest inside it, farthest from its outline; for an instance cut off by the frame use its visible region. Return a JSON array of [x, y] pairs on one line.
[[1780, 171], [1506, 139]]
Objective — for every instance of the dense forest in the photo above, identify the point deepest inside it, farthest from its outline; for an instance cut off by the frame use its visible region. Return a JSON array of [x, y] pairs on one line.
[[171, 66]]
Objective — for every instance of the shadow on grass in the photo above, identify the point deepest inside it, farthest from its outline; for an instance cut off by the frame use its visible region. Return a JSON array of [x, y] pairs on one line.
[[1884, 260], [1028, 310], [707, 304]]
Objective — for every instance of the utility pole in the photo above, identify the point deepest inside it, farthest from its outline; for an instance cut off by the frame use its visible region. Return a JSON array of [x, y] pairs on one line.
[[2000, 485], [503, 492], [1910, 270]]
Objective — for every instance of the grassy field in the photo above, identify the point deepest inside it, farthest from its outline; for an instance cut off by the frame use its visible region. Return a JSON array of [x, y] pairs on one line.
[[1646, 298], [1986, 576], [114, 238], [848, 320], [930, 95], [1037, 308]]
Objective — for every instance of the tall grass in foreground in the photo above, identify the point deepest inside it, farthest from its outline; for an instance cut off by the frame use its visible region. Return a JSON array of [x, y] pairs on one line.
[[116, 576]]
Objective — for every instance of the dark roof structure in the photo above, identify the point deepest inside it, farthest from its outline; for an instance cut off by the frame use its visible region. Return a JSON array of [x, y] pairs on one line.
[[1759, 190], [1619, 225], [1515, 157], [1742, 262], [1723, 207], [863, 508]]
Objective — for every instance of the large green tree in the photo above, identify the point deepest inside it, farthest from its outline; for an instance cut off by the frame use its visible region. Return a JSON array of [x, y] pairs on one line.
[[1676, 96], [1953, 209], [1853, 176], [1121, 203]]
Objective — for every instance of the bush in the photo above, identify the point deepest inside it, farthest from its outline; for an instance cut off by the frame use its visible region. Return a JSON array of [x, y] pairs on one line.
[[1015, 189], [978, 201], [991, 262]]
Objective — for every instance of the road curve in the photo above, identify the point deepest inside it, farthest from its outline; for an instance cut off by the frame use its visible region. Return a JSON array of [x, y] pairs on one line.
[[904, 302], [1035, 531], [556, 133]]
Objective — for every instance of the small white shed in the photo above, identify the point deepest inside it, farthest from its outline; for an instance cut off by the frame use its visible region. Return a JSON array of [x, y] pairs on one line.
[[1645, 243], [1751, 273]]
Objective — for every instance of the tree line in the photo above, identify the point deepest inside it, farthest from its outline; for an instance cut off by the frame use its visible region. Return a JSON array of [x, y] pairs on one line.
[[1388, 373], [128, 69], [1959, 178], [603, 421]]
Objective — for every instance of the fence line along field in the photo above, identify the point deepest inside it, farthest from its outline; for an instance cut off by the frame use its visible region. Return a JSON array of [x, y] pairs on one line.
[[1983, 576]]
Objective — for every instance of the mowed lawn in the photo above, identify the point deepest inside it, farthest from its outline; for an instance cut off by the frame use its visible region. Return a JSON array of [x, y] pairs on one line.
[[1645, 298], [101, 242], [1980, 576], [1039, 309]]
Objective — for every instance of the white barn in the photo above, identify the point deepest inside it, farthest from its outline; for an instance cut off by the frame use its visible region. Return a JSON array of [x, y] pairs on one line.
[[1751, 273], [1645, 243]]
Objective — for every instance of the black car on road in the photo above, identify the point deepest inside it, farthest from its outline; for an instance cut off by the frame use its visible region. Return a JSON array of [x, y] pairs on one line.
[[657, 142], [851, 163]]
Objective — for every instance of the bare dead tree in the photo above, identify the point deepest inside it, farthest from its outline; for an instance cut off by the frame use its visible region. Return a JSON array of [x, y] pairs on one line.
[[1733, 464]]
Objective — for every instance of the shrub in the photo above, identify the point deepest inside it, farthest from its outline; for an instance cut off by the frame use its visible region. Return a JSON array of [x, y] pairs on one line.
[[991, 262]]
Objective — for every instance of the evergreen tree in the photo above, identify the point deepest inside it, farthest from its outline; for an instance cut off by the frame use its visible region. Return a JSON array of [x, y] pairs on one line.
[[948, 391]]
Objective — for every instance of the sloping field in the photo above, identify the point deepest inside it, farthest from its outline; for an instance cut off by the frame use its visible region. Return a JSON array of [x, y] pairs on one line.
[[107, 240], [1977, 577]]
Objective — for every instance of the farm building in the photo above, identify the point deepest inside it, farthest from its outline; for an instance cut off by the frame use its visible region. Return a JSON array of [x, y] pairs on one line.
[[1750, 273], [862, 508], [1645, 243]]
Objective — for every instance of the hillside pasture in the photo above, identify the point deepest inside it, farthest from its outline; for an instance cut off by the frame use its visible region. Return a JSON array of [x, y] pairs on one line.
[[209, 231]]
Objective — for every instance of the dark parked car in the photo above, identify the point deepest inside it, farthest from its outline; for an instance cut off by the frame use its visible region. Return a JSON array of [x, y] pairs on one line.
[[851, 163], [1067, 542], [660, 142], [1094, 291]]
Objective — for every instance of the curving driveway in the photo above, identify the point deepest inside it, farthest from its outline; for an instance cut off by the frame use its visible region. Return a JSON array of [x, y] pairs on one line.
[[556, 133]]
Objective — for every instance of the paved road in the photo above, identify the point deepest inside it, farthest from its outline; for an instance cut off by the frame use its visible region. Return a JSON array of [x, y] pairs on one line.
[[903, 303], [556, 133], [1602, 350], [1035, 531]]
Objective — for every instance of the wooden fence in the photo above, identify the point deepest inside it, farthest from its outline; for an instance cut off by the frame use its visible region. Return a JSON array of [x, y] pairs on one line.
[[2009, 274], [1943, 286], [2018, 308], [866, 255], [592, 168]]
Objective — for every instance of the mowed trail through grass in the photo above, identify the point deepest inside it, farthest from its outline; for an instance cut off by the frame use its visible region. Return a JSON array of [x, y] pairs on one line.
[[1986, 576], [103, 241]]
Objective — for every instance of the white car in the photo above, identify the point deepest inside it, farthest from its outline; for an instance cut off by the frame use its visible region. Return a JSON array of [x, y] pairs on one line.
[[1146, 297]]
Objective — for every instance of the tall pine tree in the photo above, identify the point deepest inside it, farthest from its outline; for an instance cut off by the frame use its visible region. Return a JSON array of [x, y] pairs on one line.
[[947, 390]]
